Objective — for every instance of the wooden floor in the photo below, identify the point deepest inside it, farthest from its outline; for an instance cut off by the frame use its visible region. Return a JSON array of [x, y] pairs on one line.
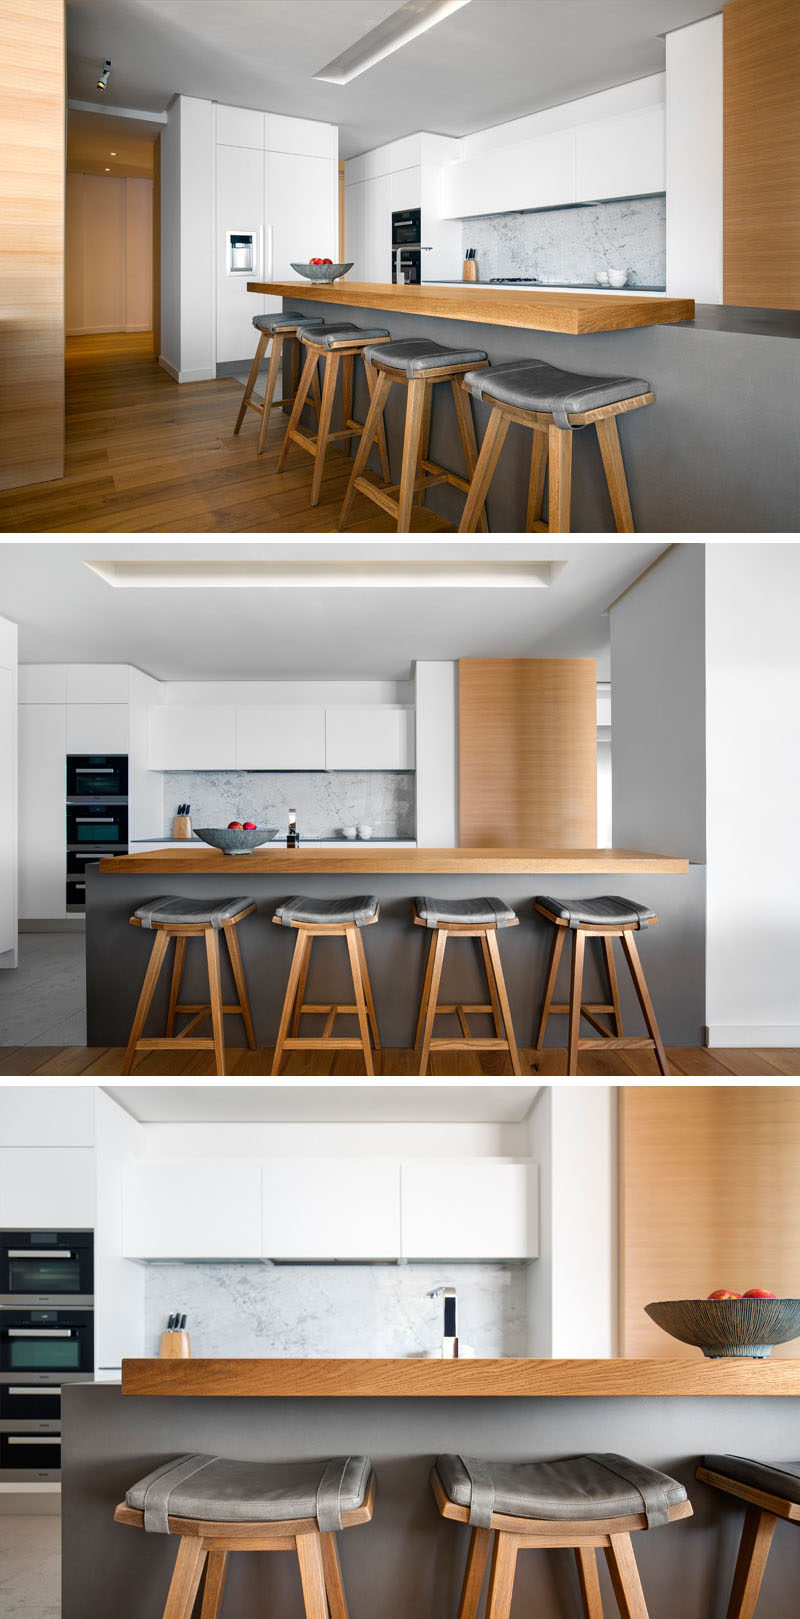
[[685, 1062], [145, 455]]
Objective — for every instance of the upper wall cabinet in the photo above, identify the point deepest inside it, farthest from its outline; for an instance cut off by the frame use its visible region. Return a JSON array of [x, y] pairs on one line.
[[470, 1209], [369, 738], [98, 727], [201, 738], [50, 1117], [331, 1208], [236, 126], [621, 157], [47, 1188], [531, 174], [193, 1209], [42, 682], [98, 682], [304, 136], [280, 737]]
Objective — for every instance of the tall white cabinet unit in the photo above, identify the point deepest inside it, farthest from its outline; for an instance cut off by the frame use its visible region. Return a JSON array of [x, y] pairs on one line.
[[8, 794], [406, 173]]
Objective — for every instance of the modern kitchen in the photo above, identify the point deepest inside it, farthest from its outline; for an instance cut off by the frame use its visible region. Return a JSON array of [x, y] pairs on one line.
[[517, 266]]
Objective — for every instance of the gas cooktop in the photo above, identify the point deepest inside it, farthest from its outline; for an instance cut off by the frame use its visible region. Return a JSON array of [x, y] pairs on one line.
[[515, 281]]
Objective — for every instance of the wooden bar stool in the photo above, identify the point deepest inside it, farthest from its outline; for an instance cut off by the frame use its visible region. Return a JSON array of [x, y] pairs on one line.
[[465, 919], [771, 1492], [278, 328], [324, 919], [417, 363], [337, 346], [607, 918], [578, 1502], [182, 919], [552, 403], [217, 1507]]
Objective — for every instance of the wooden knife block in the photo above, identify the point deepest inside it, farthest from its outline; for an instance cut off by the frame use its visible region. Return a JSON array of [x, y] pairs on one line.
[[182, 828], [175, 1346], [470, 270]]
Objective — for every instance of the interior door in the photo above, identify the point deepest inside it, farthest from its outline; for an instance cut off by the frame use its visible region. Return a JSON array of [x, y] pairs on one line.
[[8, 852], [300, 212], [240, 207]]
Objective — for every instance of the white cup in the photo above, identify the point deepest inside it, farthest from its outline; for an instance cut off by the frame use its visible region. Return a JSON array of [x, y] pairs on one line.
[[364, 831], [601, 277], [617, 278], [350, 832]]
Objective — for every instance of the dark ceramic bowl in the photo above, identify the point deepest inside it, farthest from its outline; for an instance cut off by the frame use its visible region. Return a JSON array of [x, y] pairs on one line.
[[747, 1328], [232, 842], [322, 272]]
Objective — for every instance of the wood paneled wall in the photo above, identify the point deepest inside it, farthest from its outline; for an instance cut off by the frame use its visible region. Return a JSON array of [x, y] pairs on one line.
[[709, 1198], [527, 769], [32, 137], [761, 178]]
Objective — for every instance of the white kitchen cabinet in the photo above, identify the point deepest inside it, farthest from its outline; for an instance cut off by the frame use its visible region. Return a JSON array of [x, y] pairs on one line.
[[621, 157], [8, 813], [97, 727], [406, 189], [47, 1116], [379, 228], [395, 155], [42, 682], [469, 1209], [42, 812], [47, 1188], [331, 1208], [201, 738], [283, 736], [193, 1209], [238, 126], [306, 137], [537, 173], [369, 738], [240, 207], [355, 229], [299, 212], [98, 682]]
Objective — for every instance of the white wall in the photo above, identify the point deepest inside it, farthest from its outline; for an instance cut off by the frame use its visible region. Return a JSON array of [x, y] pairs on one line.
[[694, 161], [437, 755], [170, 354], [109, 254], [753, 726], [9, 750], [187, 241], [119, 1283]]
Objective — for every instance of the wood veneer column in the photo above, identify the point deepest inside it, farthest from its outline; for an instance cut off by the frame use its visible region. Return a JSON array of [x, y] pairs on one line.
[[761, 153]]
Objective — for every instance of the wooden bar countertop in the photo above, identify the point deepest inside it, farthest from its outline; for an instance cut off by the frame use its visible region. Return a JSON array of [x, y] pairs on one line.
[[447, 1379], [274, 859], [539, 310]]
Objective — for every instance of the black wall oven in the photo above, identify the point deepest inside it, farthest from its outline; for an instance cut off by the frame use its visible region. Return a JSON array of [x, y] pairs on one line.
[[97, 775], [49, 1340], [40, 1268], [97, 817], [46, 1340], [406, 228]]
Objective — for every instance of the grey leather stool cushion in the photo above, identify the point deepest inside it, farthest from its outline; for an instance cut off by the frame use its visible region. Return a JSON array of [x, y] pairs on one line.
[[782, 1480], [330, 336], [478, 911], [286, 321], [536, 385], [607, 909], [329, 912], [216, 1490], [414, 354], [577, 1488], [198, 911]]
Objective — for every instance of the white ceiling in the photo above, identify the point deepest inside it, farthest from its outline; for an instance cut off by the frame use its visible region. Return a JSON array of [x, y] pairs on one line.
[[459, 1102], [93, 137], [67, 614], [492, 61]]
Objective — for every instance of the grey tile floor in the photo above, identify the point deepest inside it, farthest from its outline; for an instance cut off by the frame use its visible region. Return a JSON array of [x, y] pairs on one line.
[[30, 1567], [43, 1000]]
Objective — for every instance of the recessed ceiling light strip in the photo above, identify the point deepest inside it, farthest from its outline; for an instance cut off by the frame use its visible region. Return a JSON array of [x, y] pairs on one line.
[[407, 23], [460, 575]]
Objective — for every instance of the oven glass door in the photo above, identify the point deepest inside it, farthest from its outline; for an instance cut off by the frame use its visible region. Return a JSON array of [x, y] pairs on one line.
[[47, 1270], [30, 1451], [99, 824], [41, 1349], [102, 775], [30, 1402]]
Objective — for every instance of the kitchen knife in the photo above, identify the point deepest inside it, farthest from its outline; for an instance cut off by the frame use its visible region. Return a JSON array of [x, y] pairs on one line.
[[170, 1323], [182, 1327]]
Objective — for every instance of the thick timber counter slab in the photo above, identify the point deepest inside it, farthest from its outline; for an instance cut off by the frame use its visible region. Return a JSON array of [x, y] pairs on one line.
[[198, 860], [436, 1379], [537, 311]]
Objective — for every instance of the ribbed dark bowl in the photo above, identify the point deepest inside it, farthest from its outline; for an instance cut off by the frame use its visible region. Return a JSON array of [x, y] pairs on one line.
[[748, 1328], [233, 842], [323, 272]]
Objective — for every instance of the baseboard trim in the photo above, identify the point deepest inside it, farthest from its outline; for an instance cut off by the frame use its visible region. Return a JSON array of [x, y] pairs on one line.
[[753, 1034], [55, 924], [170, 369]]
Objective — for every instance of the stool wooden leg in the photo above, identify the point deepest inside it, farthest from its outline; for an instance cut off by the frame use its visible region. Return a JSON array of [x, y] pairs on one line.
[[533, 516], [309, 370], [433, 997], [379, 436], [501, 1578], [373, 1021], [177, 975], [611, 452], [412, 438], [380, 387], [426, 990], [215, 998], [151, 978], [294, 346], [480, 1546], [337, 1601], [316, 396], [487, 967], [332, 364], [611, 971], [484, 472], [186, 1577], [589, 1582], [466, 427], [348, 362], [643, 996], [559, 935], [288, 1000], [559, 465], [358, 989], [625, 1577], [424, 441], [229, 929], [301, 986], [269, 389], [251, 380], [216, 1573], [502, 996], [575, 996], [312, 1576], [759, 1528]]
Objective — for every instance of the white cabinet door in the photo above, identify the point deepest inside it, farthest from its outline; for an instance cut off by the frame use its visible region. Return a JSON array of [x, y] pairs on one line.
[[42, 811], [306, 137], [98, 682], [621, 157], [300, 212], [8, 818], [331, 1208], [47, 1188], [530, 174], [97, 728], [402, 154], [355, 229], [406, 190], [193, 1209], [49, 1116], [42, 682], [240, 207], [238, 126], [369, 738], [379, 229], [201, 738], [470, 1209], [281, 737]]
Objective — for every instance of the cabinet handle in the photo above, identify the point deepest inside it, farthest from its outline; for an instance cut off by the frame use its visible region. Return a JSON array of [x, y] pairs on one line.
[[269, 238]]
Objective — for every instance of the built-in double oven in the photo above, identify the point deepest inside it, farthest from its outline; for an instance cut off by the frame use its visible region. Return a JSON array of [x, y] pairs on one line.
[[406, 246], [97, 816], [46, 1340]]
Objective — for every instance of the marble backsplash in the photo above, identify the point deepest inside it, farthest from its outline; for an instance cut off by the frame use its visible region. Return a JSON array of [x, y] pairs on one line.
[[567, 245], [325, 801], [336, 1310]]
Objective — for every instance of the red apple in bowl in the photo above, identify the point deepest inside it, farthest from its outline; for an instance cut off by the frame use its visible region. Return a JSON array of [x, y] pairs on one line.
[[326, 261], [249, 826], [758, 1293], [235, 826], [724, 1293]]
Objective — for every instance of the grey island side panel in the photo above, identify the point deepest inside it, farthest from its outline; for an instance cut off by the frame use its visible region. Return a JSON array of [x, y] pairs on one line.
[[672, 953], [409, 1561], [718, 451]]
